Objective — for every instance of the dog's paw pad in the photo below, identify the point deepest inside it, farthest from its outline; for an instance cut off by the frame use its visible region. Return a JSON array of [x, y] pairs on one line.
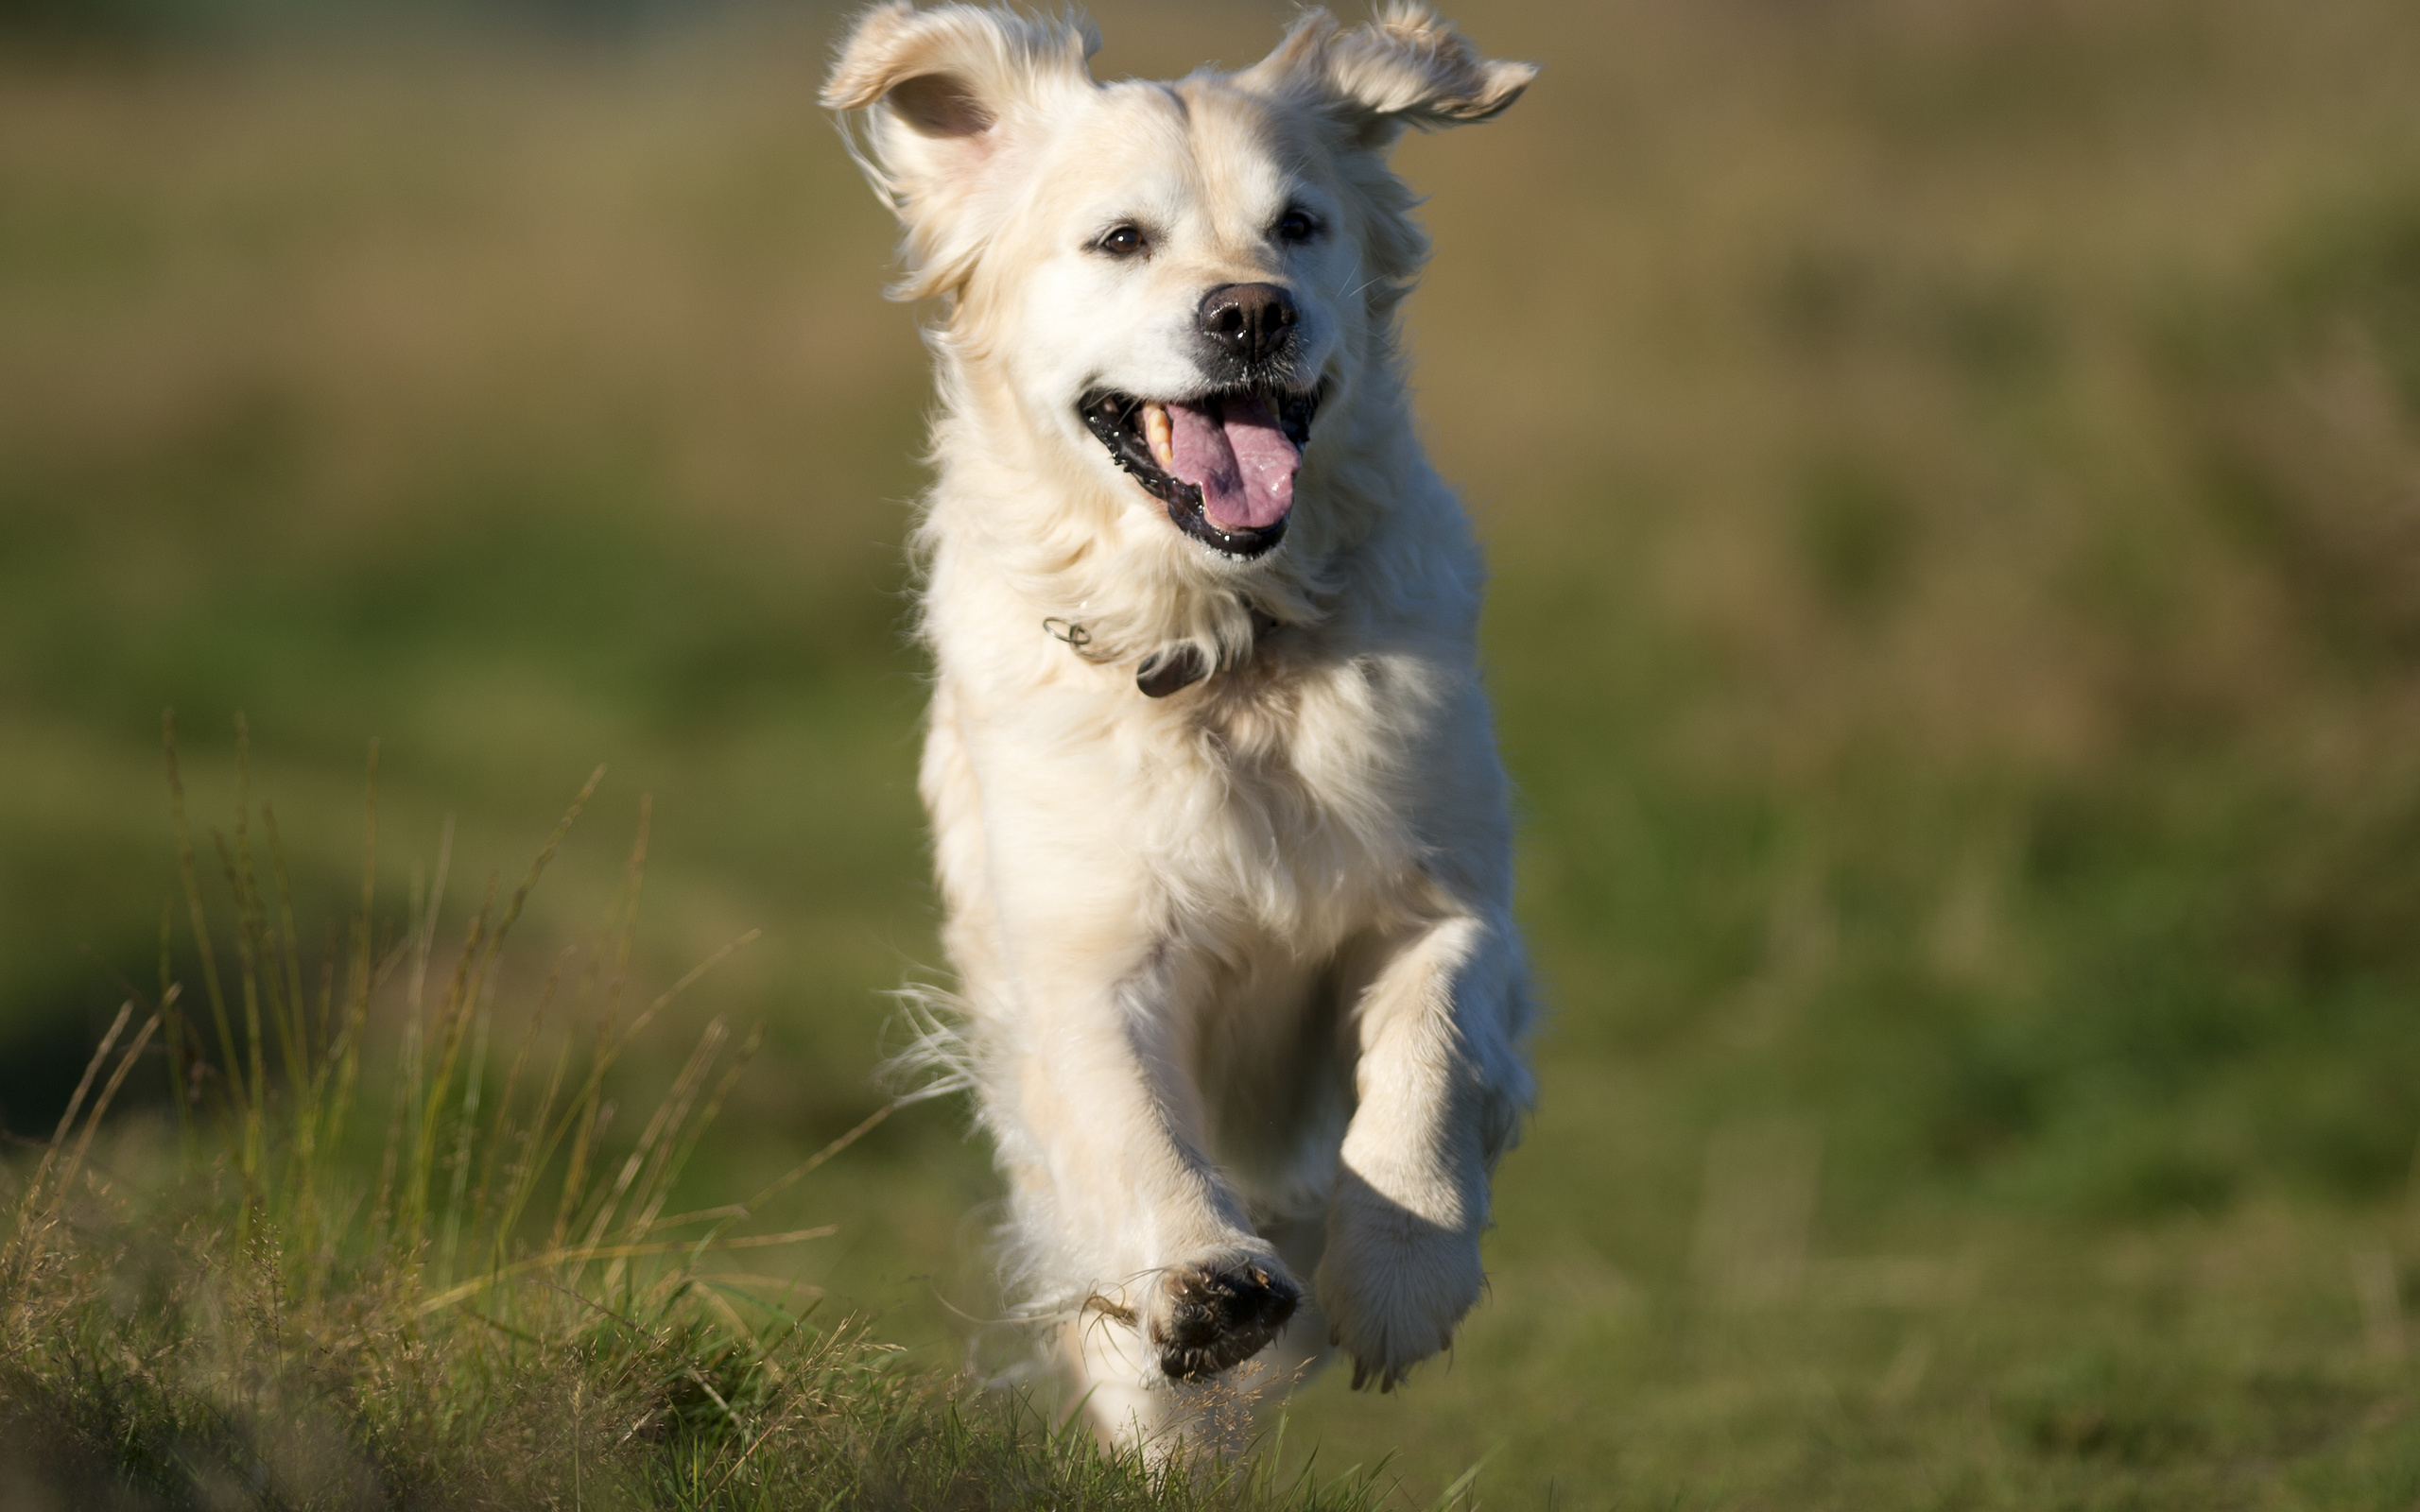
[[1219, 1315]]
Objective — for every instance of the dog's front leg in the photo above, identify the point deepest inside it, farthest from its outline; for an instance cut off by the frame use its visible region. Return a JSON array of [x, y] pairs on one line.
[[1115, 1176], [1441, 1089]]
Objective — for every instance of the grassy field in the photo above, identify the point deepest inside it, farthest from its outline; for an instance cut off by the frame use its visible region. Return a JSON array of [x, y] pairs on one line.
[[1952, 472]]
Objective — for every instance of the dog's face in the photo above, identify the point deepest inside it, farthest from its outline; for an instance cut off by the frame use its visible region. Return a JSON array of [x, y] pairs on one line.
[[1175, 285], [1168, 281]]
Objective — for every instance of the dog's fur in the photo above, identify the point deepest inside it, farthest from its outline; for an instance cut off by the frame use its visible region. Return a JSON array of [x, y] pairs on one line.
[[1243, 998]]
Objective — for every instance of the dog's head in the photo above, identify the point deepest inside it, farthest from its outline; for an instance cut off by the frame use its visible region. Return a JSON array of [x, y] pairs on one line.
[[1185, 281]]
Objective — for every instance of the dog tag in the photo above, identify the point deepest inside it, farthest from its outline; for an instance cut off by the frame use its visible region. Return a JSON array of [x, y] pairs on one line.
[[1170, 671]]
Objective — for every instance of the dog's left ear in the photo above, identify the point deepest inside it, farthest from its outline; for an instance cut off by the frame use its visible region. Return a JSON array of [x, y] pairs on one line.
[[946, 97], [1406, 69]]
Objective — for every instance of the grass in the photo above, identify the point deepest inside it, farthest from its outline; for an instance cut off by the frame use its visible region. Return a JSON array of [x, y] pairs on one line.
[[1948, 473], [215, 1308]]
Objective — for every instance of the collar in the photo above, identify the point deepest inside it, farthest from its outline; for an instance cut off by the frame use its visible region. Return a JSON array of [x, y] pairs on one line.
[[1169, 669]]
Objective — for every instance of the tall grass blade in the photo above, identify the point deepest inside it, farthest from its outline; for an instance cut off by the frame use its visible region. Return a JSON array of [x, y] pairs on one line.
[[231, 1091]]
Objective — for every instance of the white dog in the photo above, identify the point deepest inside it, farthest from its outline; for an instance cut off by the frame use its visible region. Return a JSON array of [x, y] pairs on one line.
[[1217, 809]]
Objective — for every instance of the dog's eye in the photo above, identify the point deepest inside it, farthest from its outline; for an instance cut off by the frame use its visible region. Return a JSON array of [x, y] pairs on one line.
[[1296, 226], [1121, 241]]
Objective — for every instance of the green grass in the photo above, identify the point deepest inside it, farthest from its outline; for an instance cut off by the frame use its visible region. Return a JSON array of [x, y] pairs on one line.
[[220, 1308], [1948, 473]]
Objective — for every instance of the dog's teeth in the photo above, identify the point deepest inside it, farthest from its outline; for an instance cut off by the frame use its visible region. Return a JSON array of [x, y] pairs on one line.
[[1157, 431]]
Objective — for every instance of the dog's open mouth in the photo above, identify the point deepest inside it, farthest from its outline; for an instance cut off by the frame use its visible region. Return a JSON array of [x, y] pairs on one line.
[[1223, 463]]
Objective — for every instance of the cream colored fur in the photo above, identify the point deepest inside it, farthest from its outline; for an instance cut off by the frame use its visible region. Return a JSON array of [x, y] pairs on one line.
[[1242, 991]]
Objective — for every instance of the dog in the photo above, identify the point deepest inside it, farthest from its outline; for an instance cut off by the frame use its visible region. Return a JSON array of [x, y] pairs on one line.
[[1221, 832]]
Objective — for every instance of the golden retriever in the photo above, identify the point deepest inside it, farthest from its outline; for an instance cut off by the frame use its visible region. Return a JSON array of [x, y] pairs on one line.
[[1216, 810]]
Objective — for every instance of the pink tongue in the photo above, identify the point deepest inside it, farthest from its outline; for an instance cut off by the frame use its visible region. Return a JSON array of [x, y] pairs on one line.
[[1242, 462]]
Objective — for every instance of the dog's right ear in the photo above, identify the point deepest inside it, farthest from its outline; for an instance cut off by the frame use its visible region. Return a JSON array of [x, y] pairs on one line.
[[948, 98]]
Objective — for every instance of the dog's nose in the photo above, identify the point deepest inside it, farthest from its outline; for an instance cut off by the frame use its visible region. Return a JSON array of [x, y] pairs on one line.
[[1249, 320]]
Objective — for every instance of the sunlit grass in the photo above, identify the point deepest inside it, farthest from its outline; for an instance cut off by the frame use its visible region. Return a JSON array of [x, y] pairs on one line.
[[246, 1302]]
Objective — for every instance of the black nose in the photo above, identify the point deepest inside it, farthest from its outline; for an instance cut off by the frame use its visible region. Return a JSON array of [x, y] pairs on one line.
[[1249, 320]]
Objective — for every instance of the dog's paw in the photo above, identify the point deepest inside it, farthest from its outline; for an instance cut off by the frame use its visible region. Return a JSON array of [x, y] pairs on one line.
[[1210, 1316], [1393, 1287]]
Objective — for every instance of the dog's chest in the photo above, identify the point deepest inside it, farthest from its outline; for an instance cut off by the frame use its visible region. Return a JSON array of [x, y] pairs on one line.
[[1303, 801]]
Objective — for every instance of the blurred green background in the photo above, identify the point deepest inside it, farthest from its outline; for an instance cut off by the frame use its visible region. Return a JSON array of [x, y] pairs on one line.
[[1952, 472]]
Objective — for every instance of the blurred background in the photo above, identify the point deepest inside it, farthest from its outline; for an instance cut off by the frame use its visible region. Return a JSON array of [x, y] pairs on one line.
[[1952, 474]]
